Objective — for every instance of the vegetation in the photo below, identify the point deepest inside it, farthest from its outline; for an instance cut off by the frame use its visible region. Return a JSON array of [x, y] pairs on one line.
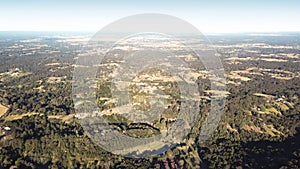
[[259, 128]]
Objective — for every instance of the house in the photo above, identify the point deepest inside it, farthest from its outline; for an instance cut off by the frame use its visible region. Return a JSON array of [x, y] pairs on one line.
[[7, 128]]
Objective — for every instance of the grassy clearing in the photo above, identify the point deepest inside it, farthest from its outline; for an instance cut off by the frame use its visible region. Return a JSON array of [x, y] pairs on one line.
[[217, 93], [3, 110], [141, 148], [55, 117], [264, 95], [238, 77], [272, 131], [19, 116], [252, 128], [14, 73], [289, 104], [53, 80], [66, 118], [282, 106], [273, 60], [230, 128], [271, 110]]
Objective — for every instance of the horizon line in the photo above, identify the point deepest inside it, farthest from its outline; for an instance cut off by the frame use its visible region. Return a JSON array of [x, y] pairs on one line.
[[209, 33]]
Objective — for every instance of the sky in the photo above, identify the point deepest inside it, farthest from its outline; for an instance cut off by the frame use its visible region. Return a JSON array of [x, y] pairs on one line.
[[209, 16]]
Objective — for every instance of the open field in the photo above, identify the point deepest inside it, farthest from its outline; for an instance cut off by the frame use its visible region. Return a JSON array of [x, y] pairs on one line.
[[19, 116], [3, 110], [66, 118], [39, 126]]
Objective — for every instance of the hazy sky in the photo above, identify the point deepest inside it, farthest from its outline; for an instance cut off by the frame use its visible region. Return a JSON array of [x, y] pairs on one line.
[[209, 16]]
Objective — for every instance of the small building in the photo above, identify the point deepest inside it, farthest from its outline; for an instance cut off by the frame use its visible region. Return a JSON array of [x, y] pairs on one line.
[[142, 86], [7, 128]]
